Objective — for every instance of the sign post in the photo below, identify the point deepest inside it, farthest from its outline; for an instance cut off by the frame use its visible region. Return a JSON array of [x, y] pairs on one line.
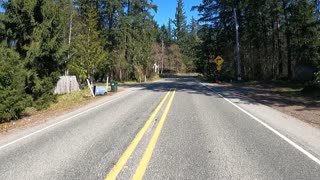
[[218, 61]]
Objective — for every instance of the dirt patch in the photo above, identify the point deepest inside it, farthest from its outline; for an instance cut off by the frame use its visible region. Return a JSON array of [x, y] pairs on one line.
[[288, 100], [38, 117]]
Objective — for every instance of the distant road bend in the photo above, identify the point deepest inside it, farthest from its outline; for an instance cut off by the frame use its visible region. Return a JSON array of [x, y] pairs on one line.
[[176, 128]]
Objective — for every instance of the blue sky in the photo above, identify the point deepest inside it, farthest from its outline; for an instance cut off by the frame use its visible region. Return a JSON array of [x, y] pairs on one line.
[[167, 9]]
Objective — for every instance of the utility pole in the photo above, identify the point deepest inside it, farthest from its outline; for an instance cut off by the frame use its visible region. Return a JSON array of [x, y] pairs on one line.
[[238, 45]]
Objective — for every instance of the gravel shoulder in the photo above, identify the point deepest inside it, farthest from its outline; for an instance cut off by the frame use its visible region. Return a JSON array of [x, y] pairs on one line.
[[291, 103]]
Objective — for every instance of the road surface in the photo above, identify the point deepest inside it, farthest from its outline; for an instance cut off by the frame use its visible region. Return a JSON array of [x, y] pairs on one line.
[[172, 129]]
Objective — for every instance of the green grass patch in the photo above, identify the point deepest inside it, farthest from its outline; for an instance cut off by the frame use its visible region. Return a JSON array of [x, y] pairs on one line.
[[66, 102], [73, 99], [187, 74], [127, 83], [63, 103], [288, 89], [130, 83], [282, 86]]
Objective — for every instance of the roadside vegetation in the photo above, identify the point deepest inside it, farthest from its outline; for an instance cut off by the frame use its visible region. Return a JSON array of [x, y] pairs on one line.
[[279, 41], [42, 40], [62, 103]]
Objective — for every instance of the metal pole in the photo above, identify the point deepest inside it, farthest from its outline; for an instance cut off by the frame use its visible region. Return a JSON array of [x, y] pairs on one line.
[[238, 45]]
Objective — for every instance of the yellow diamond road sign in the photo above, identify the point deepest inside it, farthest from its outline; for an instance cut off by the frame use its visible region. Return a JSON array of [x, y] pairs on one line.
[[218, 60]]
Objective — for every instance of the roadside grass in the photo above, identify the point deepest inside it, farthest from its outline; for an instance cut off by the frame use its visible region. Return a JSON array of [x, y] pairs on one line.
[[125, 83], [64, 103], [288, 89], [276, 86], [187, 74], [79, 98], [69, 101], [130, 83], [154, 78]]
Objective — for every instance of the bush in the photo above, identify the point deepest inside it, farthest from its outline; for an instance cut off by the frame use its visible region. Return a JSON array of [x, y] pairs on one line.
[[41, 89], [13, 99]]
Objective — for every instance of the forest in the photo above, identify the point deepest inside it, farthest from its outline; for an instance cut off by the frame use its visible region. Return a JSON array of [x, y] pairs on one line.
[[42, 40], [279, 39]]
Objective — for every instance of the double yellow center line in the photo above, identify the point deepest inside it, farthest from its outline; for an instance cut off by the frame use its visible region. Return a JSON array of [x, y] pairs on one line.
[[148, 152]]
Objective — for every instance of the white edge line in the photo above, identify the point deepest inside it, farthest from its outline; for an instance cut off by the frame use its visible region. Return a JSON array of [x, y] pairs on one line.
[[312, 157], [52, 125]]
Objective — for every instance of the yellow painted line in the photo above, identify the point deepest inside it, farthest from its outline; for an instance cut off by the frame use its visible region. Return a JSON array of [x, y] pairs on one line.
[[148, 152], [126, 155]]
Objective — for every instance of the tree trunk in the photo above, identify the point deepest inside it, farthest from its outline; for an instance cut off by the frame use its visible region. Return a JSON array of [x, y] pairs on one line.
[[279, 50], [288, 38], [66, 72]]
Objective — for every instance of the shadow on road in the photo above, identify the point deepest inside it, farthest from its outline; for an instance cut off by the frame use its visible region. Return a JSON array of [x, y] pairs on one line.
[[189, 84]]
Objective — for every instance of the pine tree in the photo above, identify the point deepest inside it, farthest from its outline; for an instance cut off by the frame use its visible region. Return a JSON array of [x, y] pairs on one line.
[[180, 22], [275, 36], [305, 35], [35, 29], [12, 96]]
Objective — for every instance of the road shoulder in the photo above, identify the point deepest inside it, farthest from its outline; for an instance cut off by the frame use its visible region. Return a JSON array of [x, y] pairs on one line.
[[304, 134], [20, 132]]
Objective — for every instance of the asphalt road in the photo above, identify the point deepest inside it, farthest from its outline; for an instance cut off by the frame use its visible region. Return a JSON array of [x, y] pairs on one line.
[[172, 129]]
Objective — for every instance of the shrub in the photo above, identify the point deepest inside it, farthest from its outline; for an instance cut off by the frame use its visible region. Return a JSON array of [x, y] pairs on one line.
[[13, 99]]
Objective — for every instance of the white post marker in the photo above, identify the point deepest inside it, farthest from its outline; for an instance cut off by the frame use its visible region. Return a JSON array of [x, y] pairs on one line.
[[155, 67], [89, 84]]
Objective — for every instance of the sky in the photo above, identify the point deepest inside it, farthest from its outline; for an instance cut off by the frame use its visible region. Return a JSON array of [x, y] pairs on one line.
[[167, 9]]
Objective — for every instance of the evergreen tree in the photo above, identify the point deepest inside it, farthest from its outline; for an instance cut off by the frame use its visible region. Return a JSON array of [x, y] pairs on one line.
[[170, 31], [165, 36], [35, 29], [305, 35], [88, 50], [275, 36], [180, 22], [12, 96]]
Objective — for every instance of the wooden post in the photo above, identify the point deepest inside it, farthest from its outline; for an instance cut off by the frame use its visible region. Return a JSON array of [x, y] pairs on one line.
[[89, 84]]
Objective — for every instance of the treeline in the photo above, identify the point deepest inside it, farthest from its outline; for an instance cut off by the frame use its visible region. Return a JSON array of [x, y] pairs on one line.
[[92, 39], [178, 42], [44, 39], [279, 39]]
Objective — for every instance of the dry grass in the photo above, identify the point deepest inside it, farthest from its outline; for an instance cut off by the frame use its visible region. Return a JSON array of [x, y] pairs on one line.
[[69, 101], [65, 103]]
